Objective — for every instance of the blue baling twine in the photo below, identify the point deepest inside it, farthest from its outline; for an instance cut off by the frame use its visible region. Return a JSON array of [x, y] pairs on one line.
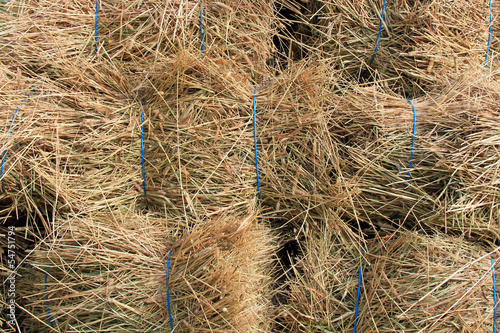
[[489, 37], [10, 131], [379, 33], [255, 132], [142, 156], [359, 291], [255, 140], [96, 16], [494, 295], [201, 24], [47, 298], [168, 295], [412, 141]]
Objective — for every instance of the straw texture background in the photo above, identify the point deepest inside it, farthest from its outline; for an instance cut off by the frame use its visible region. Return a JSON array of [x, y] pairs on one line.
[[347, 178]]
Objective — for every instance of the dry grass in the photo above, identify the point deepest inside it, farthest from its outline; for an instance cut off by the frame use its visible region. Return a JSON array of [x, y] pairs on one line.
[[107, 271], [87, 113], [411, 283], [421, 41], [453, 155], [74, 153], [320, 292], [421, 283], [334, 150]]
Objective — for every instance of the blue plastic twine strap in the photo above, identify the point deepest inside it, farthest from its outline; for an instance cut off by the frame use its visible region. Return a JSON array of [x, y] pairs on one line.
[[412, 141], [489, 36], [47, 298], [201, 24], [379, 33], [168, 295], [10, 131], [96, 17], [255, 140], [494, 296], [142, 157], [359, 291]]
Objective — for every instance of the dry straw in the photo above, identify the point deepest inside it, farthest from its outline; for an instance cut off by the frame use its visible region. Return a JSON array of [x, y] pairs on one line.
[[421, 283], [67, 148], [320, 293], [333, 156], [78, 154], [106, 272], [78, 147], [453, 173], [420, 41], [345, 149], [411, 283], [301, 173]]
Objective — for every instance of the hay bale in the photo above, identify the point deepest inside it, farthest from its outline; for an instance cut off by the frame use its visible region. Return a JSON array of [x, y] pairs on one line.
[[421, 41], [319, 292], [328, 152], [411, 283], [426, 283], [199, 144], [377, 128], [301, 172], [453, 149], [107, 272], [68, 148], [474, 209]]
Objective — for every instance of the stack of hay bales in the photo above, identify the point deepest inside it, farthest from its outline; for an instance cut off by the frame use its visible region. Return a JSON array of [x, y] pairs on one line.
[[334, 165], [78, 146], [96, 99], [452, 188], [337, 154], [348, 150]]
